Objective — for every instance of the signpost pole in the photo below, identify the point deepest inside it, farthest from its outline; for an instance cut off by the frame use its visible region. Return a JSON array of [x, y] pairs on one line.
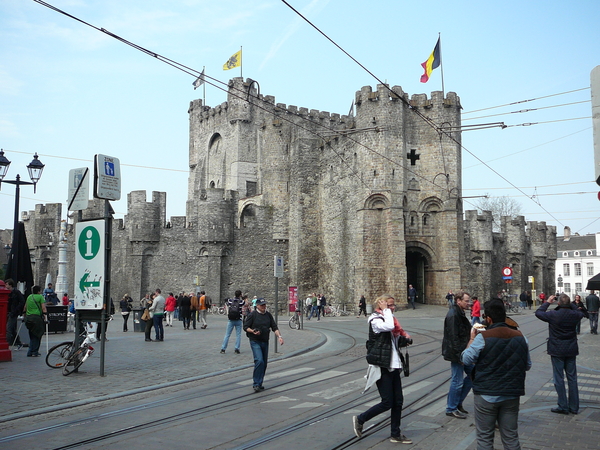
[[107, 277], [276, 307], [278, 273]]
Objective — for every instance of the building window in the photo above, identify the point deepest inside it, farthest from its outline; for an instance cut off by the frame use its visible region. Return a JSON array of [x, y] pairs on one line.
[[567, 288], [590, 269], [577, 269], [251, 188], [567, 270], [577, 287]]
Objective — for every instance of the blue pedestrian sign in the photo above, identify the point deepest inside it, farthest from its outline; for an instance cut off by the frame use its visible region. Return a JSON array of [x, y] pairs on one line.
[[107, 177]]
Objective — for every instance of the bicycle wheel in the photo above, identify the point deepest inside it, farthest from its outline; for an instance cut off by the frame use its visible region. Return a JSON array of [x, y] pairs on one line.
[[74, 361], [294, 322], [221, 310], [58, 355]]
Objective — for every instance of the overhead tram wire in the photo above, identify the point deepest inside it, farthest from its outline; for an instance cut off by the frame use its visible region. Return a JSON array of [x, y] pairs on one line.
[[418, 113], [244, 95], [522, 111], [524, 101]]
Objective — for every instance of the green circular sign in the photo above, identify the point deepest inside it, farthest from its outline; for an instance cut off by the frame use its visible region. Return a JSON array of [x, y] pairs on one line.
[[89, 243]]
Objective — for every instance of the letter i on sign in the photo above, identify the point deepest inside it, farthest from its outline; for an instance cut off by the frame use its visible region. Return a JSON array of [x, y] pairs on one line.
[[88, 243]]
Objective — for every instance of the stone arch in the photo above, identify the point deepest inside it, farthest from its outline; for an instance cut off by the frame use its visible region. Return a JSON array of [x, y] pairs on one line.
[[420, 258], [431, 204], [216, 169], [377, 201], [247, 209]]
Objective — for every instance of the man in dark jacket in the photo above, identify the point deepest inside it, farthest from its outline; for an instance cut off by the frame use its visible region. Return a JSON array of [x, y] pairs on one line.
[[592, 303], [500, 355], [457, 330], [563, 349], [16, 302]]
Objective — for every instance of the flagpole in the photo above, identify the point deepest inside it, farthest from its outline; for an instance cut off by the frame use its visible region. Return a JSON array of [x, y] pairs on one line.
[[203, 89], [241, 60], [441, 65]]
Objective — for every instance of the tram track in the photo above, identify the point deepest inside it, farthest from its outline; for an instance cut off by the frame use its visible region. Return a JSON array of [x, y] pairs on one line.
[[428, 348]]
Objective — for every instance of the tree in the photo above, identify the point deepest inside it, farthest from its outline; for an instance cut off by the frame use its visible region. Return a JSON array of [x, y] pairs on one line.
[[500, 207]]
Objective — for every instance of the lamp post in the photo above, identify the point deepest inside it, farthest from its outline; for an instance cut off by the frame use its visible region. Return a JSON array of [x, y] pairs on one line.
[[35, 169]]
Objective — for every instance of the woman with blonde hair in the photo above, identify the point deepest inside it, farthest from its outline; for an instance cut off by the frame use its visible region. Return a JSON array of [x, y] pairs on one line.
[[386, 336]]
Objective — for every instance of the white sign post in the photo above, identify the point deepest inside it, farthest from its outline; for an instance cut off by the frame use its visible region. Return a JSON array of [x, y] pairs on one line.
[[79, 187], [89, 265], [107, 177]]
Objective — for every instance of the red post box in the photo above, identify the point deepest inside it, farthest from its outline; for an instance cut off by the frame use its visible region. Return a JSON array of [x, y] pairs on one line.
[[5, 353]]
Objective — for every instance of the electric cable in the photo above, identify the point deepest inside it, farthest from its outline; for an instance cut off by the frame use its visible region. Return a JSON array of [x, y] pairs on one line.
[[527, 110], [422, 116], [198, 74], [525, 101]]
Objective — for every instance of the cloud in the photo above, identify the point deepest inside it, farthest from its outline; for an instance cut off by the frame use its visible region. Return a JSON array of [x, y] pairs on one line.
[[8, 84], [314, 7]]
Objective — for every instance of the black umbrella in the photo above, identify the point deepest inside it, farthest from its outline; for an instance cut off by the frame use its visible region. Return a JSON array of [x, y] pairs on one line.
[[21, 271], [594, 283]]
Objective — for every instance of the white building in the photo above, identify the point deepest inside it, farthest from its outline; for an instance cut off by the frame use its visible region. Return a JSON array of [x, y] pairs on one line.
[[578, 260]]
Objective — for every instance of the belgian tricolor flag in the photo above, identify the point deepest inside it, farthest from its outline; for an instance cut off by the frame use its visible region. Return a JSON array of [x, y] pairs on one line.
[[433, 62]]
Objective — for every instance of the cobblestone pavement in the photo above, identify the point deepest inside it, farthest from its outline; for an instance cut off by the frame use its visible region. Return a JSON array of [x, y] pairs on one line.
[[133, 365]]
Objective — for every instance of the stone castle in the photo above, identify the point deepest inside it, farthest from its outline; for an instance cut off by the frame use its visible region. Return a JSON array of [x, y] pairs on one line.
[[359, 204]]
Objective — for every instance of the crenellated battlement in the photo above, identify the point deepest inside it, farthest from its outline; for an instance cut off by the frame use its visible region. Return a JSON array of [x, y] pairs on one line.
[[238, 89]]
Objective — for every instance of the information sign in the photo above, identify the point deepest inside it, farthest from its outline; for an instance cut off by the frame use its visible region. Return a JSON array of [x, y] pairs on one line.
[[89, 265]]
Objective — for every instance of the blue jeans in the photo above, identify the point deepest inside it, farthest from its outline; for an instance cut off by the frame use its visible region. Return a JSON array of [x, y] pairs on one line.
[[506, 413], [560, 367], [412, 301], [238, 333], [594, 322], [315, 311], [260, 351], [390, 390], [157, 319], [460, 385], [475, 319]]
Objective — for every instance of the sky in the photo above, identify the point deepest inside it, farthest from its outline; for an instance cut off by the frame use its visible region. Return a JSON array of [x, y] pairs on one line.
[[68, 91]]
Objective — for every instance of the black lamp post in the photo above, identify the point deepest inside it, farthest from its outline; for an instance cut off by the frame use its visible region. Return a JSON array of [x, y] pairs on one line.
[[35, 169]]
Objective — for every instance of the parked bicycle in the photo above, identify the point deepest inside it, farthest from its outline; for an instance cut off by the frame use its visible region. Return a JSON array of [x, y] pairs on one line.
[[68, 358], [510, 307]]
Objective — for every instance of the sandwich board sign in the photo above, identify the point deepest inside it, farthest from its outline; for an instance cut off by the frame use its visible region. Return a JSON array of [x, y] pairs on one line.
[[89, 265]]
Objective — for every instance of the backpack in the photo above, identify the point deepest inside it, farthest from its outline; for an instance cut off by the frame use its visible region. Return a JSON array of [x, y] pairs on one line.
[[207, 302], [235, 310]]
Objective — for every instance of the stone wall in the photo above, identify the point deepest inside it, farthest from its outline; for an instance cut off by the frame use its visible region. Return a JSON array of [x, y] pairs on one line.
[[357, 205]]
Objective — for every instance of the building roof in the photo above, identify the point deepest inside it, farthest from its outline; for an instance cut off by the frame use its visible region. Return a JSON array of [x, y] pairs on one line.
[[587, 242]]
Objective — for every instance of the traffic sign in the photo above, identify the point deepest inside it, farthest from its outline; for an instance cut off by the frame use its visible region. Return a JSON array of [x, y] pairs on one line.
[[107, 177], [89, 265], [79, 188], [507, 271], [278, 263]]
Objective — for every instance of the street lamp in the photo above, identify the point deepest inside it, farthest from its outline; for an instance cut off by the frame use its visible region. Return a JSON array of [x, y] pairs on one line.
[[35, 169]]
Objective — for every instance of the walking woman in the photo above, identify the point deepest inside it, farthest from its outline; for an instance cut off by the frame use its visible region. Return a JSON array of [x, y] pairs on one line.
[[386, 336], [35, 310], [125, 305]]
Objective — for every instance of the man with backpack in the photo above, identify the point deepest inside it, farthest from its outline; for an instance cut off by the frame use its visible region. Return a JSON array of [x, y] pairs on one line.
[[234, 314]]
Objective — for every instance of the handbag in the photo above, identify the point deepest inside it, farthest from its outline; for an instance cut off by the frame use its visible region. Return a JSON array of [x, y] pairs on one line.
[[405, 363], [146, 315]]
